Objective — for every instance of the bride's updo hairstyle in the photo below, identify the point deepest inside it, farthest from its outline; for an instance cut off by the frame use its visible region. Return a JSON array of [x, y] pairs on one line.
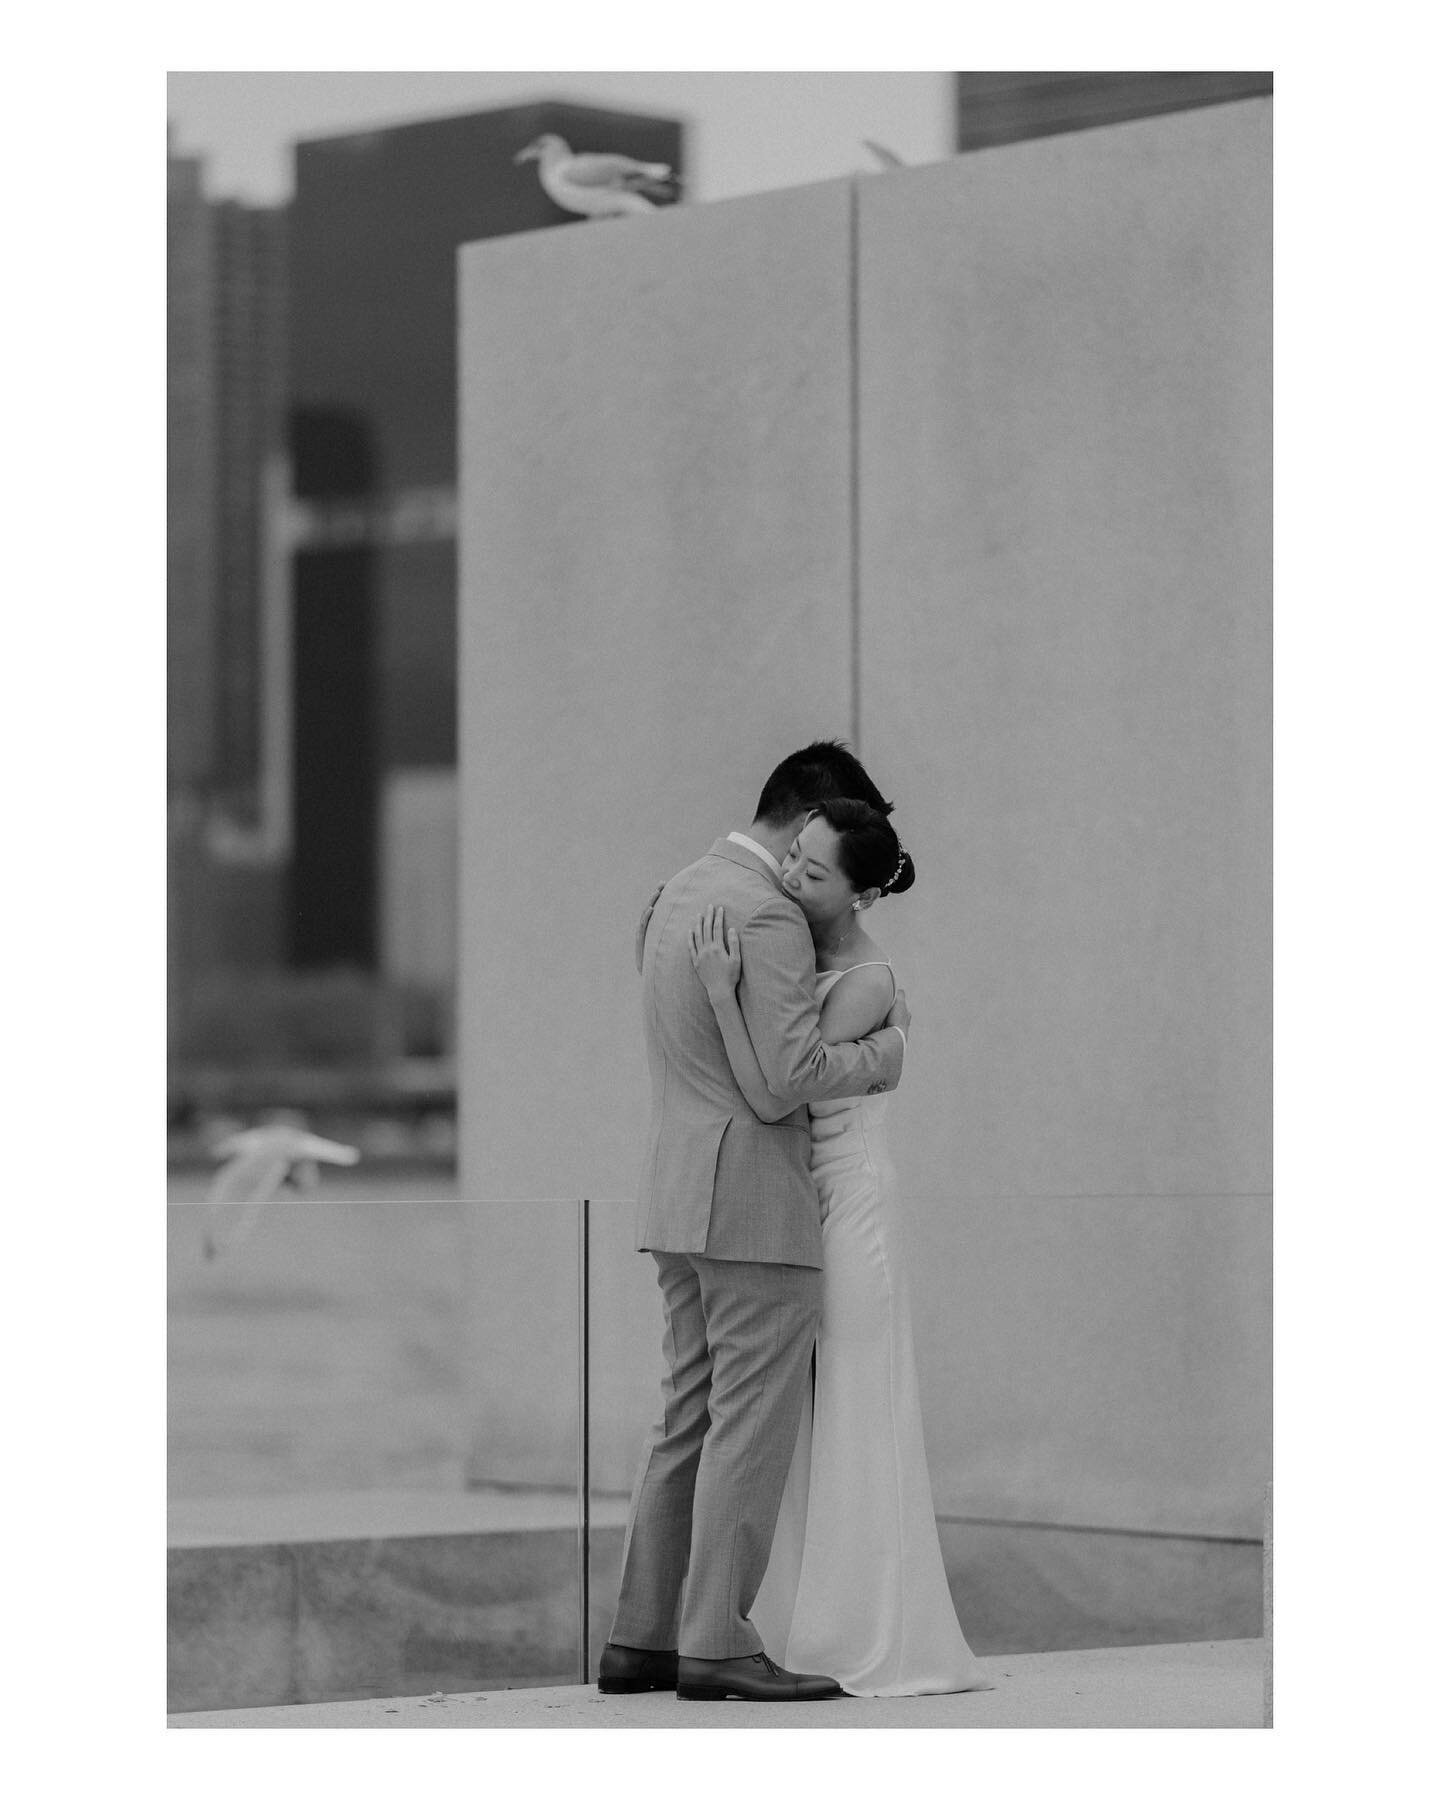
[[870, 854]]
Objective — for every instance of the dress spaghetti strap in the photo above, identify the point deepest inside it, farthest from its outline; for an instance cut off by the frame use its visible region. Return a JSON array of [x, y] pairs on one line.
[[875, 963]]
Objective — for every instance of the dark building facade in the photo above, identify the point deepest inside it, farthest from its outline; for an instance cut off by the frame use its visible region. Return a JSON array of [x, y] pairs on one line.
[[191, 495], [375, 225], [1005, 107]]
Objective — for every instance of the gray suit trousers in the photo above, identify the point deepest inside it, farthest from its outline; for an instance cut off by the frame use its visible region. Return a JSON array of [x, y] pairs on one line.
[[738, 1342]]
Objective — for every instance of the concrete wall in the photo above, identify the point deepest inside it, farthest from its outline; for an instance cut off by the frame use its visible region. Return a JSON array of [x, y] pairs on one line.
[[1064, 674], [655, 607], [968, 463]]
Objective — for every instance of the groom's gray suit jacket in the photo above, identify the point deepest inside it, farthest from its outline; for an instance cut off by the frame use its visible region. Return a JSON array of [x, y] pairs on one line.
[[717, 1180]]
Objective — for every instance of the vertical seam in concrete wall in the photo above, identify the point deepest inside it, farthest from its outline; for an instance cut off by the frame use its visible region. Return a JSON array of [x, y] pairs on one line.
[[853, 254]]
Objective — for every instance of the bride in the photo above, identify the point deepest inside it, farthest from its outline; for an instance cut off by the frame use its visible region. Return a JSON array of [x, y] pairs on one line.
[[855, 1585]]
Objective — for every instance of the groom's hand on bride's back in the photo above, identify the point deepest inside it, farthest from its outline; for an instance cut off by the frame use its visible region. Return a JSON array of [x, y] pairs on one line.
[[899, 1013]]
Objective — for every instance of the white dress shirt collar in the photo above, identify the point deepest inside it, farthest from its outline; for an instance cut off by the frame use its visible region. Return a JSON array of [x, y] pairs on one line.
[[748, 843]]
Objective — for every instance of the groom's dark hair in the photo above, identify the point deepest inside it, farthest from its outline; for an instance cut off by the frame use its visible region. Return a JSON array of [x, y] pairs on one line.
[[824, 770]]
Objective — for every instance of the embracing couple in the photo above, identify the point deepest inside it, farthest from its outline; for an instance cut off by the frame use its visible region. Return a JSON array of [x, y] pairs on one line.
[[781, 1542]]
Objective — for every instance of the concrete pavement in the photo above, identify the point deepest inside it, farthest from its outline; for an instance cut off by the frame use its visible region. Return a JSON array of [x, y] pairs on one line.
[[1214, 1684]]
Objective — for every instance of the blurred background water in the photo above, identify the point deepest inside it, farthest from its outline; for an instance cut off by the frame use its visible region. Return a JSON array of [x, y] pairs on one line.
[[324, 1351]]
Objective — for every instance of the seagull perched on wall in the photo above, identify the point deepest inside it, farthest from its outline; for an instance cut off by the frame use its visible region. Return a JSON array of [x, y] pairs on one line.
[[599, 184], [257, 1165]]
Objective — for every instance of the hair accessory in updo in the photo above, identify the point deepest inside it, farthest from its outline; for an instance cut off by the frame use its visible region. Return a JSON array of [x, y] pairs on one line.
[[899, 871]]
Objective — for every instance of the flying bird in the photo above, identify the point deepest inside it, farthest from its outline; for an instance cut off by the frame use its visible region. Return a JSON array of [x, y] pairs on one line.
[[257, 1165], [599, 184]]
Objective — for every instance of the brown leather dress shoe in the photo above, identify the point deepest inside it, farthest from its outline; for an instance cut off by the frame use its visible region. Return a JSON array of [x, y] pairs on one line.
[[625, 1670], [748, 1678]]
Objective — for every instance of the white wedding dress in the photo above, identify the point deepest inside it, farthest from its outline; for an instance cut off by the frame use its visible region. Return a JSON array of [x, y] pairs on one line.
[[856, 1586]]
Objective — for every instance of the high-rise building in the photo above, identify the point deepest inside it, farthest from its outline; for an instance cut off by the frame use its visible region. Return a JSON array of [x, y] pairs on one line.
[[226, 416], [191, 493], [375, 225], [1004, 107], [251, 353]]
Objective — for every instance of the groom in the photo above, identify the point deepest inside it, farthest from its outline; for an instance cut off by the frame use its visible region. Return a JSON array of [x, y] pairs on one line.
[[730, 1214]]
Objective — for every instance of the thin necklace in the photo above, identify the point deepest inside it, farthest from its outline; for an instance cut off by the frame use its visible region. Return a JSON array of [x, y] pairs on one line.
[[835, 948]]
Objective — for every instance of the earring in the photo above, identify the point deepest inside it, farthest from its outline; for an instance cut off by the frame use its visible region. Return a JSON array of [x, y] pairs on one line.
[[854, 906]]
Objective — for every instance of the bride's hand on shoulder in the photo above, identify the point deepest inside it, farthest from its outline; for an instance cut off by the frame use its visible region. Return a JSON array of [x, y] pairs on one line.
[[715, 952]]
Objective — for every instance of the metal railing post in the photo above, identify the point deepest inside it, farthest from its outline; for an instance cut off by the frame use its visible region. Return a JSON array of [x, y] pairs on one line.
[[583, 1460]]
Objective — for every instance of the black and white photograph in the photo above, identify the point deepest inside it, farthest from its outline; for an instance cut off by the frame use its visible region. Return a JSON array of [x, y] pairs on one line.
[[790, 934], [719, 900]]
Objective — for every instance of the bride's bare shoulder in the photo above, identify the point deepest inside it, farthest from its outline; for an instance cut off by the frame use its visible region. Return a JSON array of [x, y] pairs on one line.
[[856, 1002]]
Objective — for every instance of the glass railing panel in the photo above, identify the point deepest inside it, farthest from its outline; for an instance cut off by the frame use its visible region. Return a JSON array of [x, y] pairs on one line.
[[374, 1443]]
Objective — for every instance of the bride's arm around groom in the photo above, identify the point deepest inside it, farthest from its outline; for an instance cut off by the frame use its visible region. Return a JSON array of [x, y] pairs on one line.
[[777, 1001], [715, 949]]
